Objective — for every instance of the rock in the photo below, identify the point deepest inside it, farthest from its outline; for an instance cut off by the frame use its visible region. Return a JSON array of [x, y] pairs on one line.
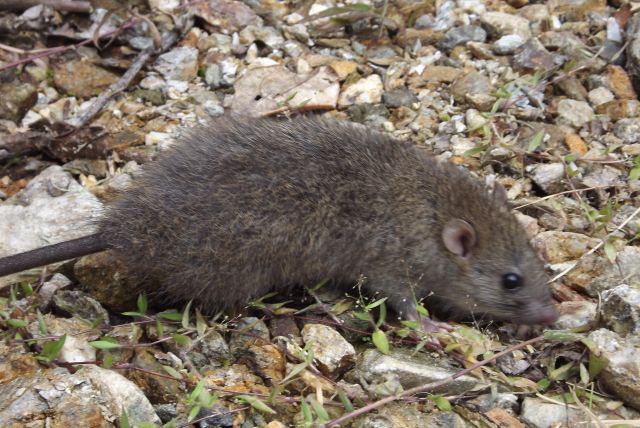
[[621, 375], [157, 389], [574, 113], [506, 45], [214, 348], [621, 309], [628, 130], [460, 36], [400, 370], [537, 413], [577, 314], [166, 412], [576, 144], [596, 274], [530, 224], [399, 97], [620, 83], [366, 90], [297, 32], [437, 74], [50, 287], [228, 16], [600, 95], [549, 176], [154, 97], [473, 83], [333, 354], [81, 78], [606, 176], [633, 50], [52, 208], [80, 305], [267, 360], [267, 35], [91, 397], [558, 247], [101, 275], [78, 333], [265, 89], [572, 87], [619, 109], [249, 330], [500, 24], [180, 63], [532, 56], [17, 98], [344, 68], [474, 119], [501, 400]]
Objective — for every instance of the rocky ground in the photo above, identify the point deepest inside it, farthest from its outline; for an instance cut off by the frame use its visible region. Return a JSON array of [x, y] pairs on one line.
[[539, 96]]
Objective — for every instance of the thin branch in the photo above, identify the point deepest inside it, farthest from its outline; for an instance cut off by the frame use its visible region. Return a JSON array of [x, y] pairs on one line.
[[62, 49], [61, 5], [117, 87]]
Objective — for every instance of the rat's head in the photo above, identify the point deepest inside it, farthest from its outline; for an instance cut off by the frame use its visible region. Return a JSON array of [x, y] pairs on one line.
[[499, 274]]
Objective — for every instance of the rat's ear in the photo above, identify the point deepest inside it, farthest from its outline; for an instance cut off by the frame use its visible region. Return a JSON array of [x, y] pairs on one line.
[[500, 193], [459, 237]]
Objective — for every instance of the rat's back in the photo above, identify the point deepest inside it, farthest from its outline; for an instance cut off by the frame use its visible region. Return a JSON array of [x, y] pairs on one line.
[[238, 208]]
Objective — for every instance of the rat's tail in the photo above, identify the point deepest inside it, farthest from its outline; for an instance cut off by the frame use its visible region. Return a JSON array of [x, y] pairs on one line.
[[52, 253]]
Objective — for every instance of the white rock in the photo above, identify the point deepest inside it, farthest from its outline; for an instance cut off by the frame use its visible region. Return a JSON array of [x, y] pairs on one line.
[[180, 63], [367, 90], [574, 113], [600, 95], [52, 208]]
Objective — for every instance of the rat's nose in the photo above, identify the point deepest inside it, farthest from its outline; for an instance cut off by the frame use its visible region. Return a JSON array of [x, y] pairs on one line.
[[547, 315], [541, 314]]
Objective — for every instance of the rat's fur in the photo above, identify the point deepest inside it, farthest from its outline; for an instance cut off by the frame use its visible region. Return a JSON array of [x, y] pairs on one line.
[[238, 208]]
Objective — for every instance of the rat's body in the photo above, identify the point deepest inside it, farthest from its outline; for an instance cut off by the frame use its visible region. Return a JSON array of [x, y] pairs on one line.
[[236, 210]]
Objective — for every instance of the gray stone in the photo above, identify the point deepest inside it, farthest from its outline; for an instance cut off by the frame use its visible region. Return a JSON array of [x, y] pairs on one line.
[[508, 44], [621, 374], [537, 413], [549, 176], [399, 97], [180, 63], [52, 208], [628, 130], [473, 83], [79, 304], [400, 370], [49, 288], [247, 331], [621, 309], [600, 95], [574, 113], [367, 90], [576, 314], [626, 270], [78, 333], [331, 351], [500, 24], [461, 35]]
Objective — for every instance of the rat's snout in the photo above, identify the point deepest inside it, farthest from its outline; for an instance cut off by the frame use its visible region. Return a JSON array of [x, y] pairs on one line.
[[538, 313]]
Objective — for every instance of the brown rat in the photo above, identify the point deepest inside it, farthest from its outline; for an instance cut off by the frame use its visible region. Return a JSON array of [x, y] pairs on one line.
[[241, 207]]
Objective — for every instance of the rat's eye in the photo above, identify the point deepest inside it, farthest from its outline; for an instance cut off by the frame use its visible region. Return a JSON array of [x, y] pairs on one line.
[[511, 281]]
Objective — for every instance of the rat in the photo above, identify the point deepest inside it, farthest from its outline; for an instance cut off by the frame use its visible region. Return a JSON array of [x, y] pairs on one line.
[[239, 207]]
